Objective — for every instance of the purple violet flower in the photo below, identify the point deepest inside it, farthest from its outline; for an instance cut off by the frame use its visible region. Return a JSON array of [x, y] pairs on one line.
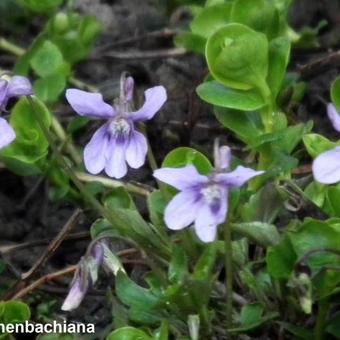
[[117, 142], [202, 199], [326, 167], [16, 86]]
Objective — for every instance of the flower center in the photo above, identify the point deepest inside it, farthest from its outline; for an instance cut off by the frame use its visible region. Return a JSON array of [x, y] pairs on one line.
[[120, 127], [212, 194]]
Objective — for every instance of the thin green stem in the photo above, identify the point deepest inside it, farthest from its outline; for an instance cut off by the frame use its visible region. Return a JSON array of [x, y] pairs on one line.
[[319, 329], [111, 183], [11, 48], [59, 157], [229, 274], [61, 134]]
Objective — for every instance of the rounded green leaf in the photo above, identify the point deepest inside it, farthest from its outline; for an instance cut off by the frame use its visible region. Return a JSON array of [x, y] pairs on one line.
[[217, 94], [49, 88], [210, 19], [47, 60], [237, 56], [335, 93], [279, 52], [261, 15], [317, 144], [183, 156], [25, 154], [128, 333], [16, 312]]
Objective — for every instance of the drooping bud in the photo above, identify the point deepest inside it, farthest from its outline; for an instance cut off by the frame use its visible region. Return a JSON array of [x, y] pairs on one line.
[[94, 261], [79, 287], [222, 156]]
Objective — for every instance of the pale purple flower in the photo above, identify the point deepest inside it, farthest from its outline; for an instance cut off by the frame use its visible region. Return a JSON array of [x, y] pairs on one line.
[[326, 167], [85, 276], [116, 143], [16, 86], [79, 287], [202, 200]]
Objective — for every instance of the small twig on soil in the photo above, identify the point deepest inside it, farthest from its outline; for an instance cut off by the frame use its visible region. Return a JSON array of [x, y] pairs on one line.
[[52, 276], [6, 249], [44, 279], [166, 34], [314, 68], [50, 250], [133, 55]]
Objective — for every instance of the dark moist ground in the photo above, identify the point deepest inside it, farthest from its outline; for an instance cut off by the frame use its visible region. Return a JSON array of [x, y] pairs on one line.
[[27, 214]]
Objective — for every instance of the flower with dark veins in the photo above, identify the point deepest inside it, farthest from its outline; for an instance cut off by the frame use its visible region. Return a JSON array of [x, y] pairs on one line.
[[11, 87], [202, 200], [326, 167], [116, 143]]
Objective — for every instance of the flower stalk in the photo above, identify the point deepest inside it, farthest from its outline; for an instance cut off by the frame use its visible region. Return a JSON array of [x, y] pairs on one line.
[[228, 262]]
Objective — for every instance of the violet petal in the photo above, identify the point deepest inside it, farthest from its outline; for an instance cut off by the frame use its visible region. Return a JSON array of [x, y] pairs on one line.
[[95, 151], [208, 219], [154, 100], [182, 210], [3, 93], [333, 116], [7, 134], [128, 88], [19, 86], [238, 177], [115, 164], [180, 178], [326, 167], [136, 150], [89, 104], [205, 225]]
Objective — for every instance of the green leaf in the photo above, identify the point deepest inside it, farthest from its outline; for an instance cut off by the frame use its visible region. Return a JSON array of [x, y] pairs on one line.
[[331, 204], [42, 6], [260, 15], [264, 205], [316, 192], [317, 144], [119, 198], [178, 267], [47, 60], [263, 234], [204, 266], [281, 259], [217, 94], [210, 19], [25, 154], [191, 42], [15, 312], [156, 205], [298, 331], [251, 314], [279, 53], [184, 156], [335, 93], [237, 57], [163, 332], [49, 88], [128, 333], [134, 295], [246, 125]]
